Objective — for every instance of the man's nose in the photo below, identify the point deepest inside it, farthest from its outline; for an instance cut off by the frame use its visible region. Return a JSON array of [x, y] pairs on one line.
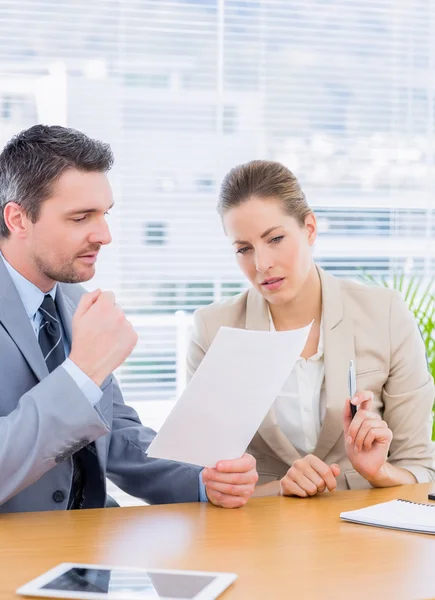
[[102, 235]]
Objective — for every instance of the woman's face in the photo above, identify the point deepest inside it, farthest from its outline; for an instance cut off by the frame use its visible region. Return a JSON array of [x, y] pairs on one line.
[[272, 249]]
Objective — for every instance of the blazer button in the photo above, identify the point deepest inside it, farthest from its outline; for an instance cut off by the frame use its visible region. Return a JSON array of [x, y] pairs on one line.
[[58, 496]]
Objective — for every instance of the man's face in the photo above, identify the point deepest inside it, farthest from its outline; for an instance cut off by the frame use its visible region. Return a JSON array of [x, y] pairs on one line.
[[64, 242]]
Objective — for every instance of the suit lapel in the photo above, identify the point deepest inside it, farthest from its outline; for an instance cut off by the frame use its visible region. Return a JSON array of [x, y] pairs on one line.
[[339, 348], [15, 320], [66, 310], [257, 318]]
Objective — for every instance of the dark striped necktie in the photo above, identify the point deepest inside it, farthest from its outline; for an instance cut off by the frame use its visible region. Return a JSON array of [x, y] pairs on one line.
[[50, 340], [50, 334]]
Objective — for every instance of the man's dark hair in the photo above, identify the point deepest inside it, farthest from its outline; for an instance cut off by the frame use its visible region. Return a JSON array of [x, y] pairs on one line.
[[33, 161]]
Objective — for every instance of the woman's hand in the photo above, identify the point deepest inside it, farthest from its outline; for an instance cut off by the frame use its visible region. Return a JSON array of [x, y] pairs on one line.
[[309, 476], [367, 437]]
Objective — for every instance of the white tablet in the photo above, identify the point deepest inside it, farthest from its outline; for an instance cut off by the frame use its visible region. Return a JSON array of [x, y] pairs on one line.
[[71, 580]]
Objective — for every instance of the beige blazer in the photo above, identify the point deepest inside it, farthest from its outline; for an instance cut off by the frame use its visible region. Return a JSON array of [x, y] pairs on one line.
[[371, 325]]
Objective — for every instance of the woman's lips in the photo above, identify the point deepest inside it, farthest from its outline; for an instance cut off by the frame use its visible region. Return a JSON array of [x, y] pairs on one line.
[[272, 284]]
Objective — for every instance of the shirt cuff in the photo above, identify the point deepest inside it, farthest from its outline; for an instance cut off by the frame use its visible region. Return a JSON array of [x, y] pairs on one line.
[[202, 492], [88, 387]]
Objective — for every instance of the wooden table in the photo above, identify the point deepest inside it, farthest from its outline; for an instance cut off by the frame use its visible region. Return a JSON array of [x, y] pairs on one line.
[[281, 548]]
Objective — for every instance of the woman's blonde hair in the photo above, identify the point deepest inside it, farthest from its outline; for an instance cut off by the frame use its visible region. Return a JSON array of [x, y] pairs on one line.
[[263, 179]]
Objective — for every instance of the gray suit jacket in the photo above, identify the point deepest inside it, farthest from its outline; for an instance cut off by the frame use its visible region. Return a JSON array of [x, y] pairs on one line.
[[45, 418]]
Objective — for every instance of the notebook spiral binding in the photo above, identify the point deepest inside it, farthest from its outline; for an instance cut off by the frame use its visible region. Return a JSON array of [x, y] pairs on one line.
[[416, 503]]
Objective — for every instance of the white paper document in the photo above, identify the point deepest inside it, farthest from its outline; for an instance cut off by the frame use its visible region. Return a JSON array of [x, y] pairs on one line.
[[234, 387]]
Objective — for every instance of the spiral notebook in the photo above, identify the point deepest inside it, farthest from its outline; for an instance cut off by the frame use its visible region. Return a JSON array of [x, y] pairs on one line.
[[397, 514]]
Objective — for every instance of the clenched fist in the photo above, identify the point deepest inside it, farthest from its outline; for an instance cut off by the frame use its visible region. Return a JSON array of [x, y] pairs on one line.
[[102, 337]]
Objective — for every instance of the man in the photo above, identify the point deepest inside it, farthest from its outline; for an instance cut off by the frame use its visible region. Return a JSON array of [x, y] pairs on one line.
[[63, 422]]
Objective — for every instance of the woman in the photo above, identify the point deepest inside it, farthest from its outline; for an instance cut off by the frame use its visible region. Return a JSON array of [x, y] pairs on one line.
[[309, 441]]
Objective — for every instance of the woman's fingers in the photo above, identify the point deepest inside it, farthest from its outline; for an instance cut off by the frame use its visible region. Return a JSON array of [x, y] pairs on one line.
[[361, 416], [291, 488], [366, 426], [335, 470], [309, 481], [309, 475], [363, 400]]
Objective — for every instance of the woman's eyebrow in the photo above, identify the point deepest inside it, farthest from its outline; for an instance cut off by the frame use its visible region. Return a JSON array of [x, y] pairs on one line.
[[263, 235]]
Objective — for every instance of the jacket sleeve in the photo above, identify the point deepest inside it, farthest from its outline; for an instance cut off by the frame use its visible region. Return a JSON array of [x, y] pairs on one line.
[[51, 420], [155, 480], [408, 396]]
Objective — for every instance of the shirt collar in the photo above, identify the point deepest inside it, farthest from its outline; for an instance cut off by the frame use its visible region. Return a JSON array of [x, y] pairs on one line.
[[319, 352], [31, 296]]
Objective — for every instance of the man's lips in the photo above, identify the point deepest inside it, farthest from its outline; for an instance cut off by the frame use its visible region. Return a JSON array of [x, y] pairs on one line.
[[91, 257]]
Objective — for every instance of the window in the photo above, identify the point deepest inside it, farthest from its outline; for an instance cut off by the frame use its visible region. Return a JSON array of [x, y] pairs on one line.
[[171, 297], [353, 267], [205, 183], [140, 115], [155, 234], [230, 119], [340, 92], [375, 222], [165, 182], [6, 108], [147, 80], [17, 108]]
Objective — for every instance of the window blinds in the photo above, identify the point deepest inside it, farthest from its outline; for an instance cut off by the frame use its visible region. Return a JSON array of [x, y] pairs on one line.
[[342, 92]]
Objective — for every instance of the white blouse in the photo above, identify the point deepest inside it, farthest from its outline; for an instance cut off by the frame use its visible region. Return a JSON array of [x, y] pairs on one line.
[[298, 407]]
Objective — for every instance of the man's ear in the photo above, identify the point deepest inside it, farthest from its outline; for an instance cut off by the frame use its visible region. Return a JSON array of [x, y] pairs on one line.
[[16, 219]]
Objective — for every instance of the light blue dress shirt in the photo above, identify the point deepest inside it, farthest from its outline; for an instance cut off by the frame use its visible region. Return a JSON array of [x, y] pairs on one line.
[[32, 297]]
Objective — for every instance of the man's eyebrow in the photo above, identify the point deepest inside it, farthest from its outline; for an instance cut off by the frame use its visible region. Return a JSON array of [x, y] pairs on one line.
[[85, 211], [263, 235]]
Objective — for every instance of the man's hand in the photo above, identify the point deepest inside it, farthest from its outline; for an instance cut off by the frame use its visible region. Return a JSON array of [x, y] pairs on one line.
[[309, 476], [232, 482], [367, 437], [102, 338]]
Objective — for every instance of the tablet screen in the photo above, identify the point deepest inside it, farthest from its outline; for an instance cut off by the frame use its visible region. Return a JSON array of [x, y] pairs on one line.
[[119, 581]]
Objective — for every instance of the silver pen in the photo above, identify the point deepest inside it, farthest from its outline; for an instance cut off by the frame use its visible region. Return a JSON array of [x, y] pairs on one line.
[[352, 386]]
